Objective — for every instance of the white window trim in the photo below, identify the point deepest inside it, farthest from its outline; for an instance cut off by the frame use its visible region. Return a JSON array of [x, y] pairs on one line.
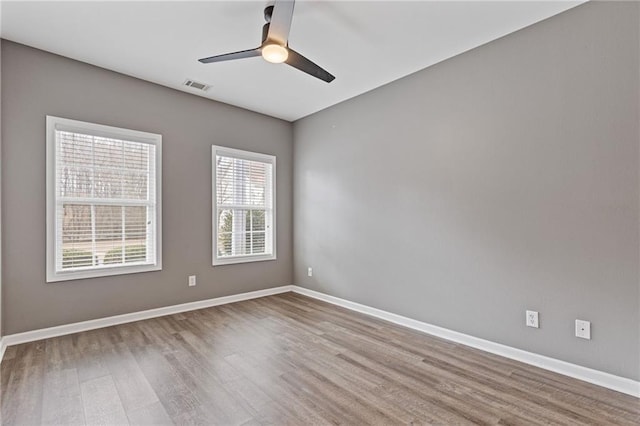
[[57, 123], [252, 156]]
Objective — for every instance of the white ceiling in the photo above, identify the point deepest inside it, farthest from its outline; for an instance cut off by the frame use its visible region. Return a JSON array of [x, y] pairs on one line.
[[365, 44]]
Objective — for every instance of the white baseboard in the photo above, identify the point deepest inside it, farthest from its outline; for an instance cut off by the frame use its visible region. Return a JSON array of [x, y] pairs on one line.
[[3, 347], [46, 333], [610, 381]]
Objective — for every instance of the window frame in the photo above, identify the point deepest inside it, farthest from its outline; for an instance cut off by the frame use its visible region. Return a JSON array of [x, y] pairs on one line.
[[250, 156], [57, 123]]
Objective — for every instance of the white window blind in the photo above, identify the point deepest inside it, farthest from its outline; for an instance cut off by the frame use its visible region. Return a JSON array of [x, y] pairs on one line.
[[244, 190], [103, 200]]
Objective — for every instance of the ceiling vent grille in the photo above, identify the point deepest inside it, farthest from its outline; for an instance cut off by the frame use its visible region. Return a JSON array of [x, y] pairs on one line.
[[196, 85]]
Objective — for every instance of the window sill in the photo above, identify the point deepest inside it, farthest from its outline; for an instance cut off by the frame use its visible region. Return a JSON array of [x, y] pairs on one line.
[[241, 259], [103, 272]]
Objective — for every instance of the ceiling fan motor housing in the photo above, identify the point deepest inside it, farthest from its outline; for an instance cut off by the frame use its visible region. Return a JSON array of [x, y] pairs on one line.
[[268, 11]]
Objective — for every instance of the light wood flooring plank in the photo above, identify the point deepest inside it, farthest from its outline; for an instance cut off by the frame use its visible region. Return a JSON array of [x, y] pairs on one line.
[[62, 400], [102, 404], [150, 415]]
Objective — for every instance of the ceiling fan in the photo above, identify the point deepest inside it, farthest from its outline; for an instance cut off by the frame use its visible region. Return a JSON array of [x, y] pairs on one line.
[[275, 43]]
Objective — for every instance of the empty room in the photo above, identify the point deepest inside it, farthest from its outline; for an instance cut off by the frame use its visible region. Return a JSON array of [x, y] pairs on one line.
[[319, 212]]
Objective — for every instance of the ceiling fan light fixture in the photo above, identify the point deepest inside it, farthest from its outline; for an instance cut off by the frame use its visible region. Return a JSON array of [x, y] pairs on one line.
[[274, 53]]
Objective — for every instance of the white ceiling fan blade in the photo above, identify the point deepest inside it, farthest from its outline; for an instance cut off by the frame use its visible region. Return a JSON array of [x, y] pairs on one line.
[[280, 24]]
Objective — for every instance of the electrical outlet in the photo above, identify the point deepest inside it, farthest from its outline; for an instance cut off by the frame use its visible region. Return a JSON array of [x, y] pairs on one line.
[[192, 280], [583, 329], [310, 271], [532, 319]]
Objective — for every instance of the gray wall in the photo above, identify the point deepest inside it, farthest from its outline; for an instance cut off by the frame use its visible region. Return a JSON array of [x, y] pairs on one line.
[[36, 84], [501, 180]]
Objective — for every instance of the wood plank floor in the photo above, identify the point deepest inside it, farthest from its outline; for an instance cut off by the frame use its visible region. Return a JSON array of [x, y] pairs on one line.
[[285, 359]]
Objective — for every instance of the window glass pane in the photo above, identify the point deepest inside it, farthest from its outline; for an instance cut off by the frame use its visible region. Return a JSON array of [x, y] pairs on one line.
[[258, 242], [135, 253], [135, 224], [75, 181], [108, 152], [257, 220], [232, 230], [136, 156], [107, 183], [235, 233], [76, 236], [108, 223], [132, 253], [224, 187], [135, 185], [75, 149], [92, 235], [239, 226], [108, 234], [257, 183], [135, 234], [76, 258], [76, 223], [225, 226], [242, 182]]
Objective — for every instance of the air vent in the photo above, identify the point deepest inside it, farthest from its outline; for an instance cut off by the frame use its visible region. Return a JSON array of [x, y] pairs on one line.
[[196, 85]]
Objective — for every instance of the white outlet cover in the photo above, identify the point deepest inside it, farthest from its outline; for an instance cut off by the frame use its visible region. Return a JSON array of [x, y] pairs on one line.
[[192, 280], [310, 271], [532, 319], [583, 329]]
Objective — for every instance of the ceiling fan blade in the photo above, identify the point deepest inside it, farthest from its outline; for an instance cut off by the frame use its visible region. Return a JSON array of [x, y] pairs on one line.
[[298, 61], [231, 56], [280, 24]]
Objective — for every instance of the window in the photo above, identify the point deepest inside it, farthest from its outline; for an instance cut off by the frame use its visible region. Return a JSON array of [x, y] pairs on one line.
[[103, 200], [243, 198]]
